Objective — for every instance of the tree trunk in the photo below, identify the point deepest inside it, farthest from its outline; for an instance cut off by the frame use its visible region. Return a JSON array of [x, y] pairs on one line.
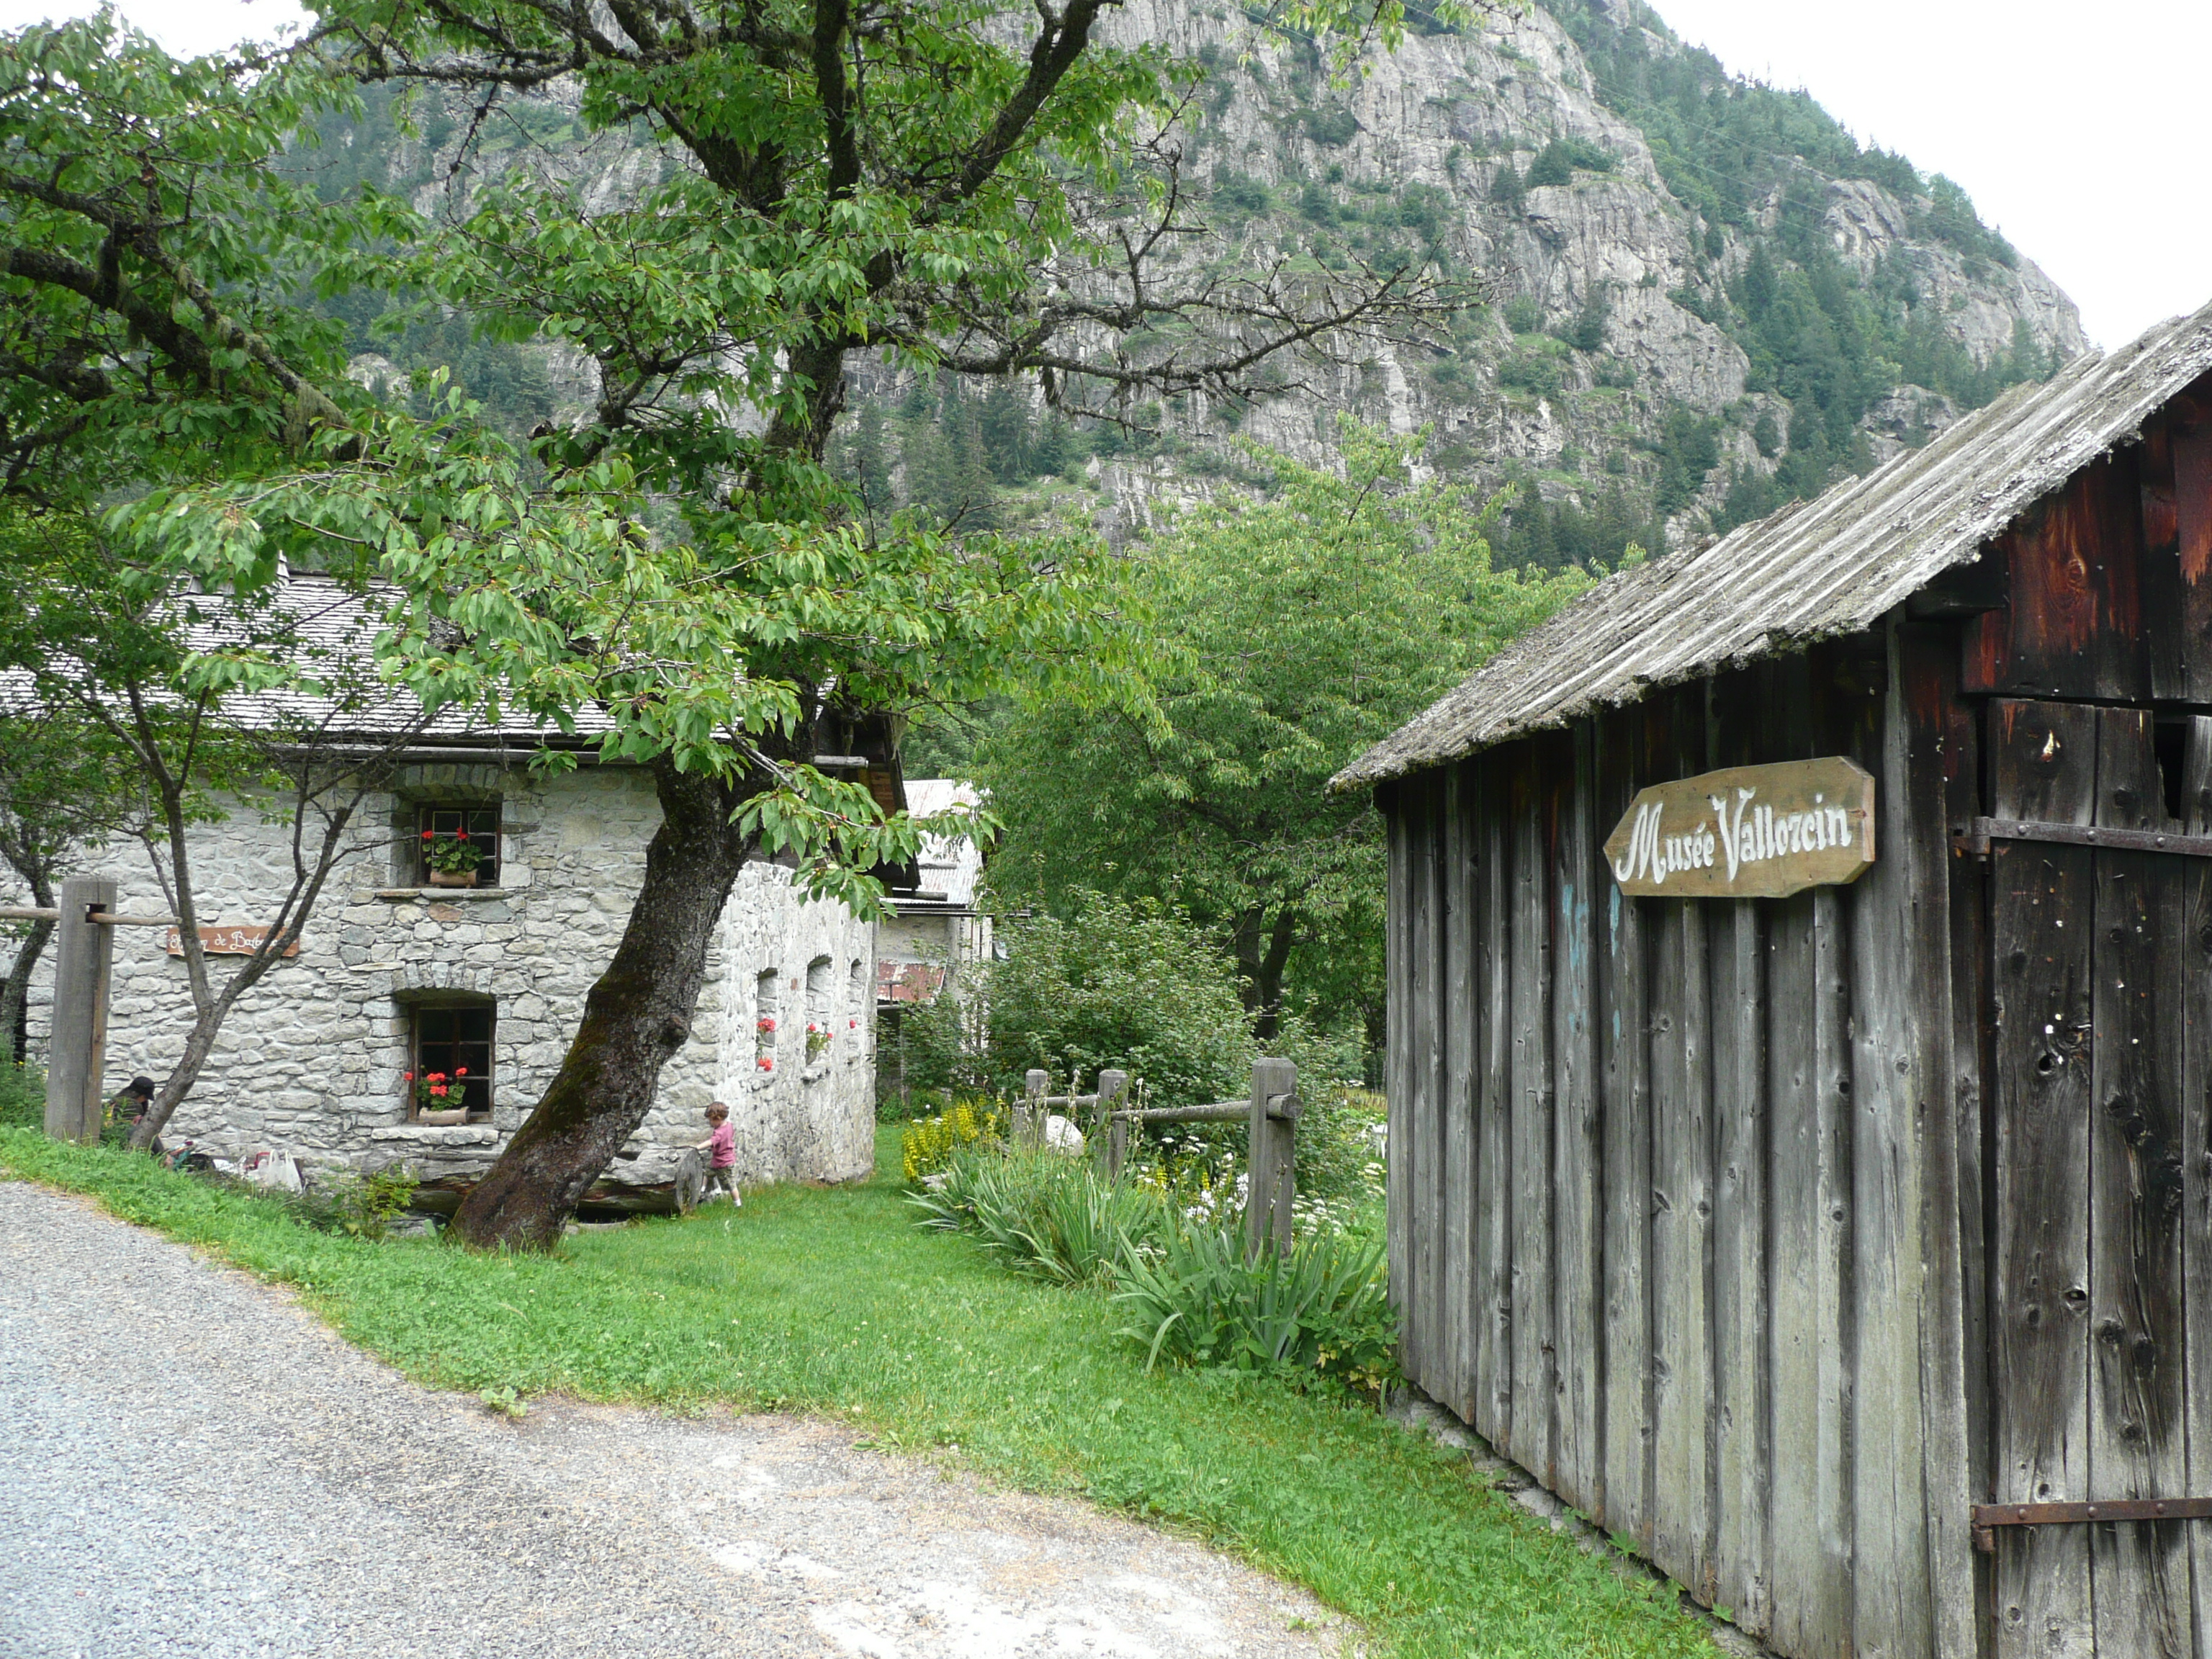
[[1263, 950], [635, 1017], [15, 993]]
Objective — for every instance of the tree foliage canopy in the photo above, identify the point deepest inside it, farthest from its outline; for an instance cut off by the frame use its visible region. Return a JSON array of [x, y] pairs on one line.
[[675, 574], [1282, 639]]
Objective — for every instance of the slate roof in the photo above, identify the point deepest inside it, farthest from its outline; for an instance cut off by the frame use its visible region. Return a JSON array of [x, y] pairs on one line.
[[332, 618], [951, 864], [1814, 570]]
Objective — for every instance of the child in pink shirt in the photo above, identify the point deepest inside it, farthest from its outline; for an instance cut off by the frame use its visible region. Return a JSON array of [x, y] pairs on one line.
[[721, 1149]]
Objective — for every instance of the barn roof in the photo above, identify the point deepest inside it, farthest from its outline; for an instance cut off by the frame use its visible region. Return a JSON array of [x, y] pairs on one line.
[[1831, 565]]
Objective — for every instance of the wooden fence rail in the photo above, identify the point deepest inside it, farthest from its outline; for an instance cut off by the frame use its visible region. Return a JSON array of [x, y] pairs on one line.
[[1271, 1112], [98, 918]]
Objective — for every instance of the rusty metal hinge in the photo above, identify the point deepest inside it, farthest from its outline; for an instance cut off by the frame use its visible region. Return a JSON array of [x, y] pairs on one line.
[[1986, 1518], [1977, 835]]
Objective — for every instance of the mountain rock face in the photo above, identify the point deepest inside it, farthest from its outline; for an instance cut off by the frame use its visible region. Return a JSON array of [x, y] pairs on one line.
[[1617, 309], [1700, 297]]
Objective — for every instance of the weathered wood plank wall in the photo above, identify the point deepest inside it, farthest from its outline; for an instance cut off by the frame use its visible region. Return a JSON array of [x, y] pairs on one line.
[[1762, 1230], [1673, 1154]]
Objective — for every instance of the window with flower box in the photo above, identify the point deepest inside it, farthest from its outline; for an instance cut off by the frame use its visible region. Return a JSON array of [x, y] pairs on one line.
[[452, 1068], [764, 1007], [821, 1009], [455, 842]]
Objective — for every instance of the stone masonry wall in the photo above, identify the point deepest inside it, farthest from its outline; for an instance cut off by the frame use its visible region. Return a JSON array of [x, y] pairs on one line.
[[313, 1060]]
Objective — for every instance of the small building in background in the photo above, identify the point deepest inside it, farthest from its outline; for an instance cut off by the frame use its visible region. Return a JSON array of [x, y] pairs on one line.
[[938, 932]]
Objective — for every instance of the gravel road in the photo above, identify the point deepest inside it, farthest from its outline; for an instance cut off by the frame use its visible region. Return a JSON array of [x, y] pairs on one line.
[[191, 1463]]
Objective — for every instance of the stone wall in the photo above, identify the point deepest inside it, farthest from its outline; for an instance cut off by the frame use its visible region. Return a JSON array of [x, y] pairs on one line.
[[313, 1060]]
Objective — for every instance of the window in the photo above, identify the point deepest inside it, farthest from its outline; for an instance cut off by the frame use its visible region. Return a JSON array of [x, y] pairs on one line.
[[455, 1039], [764, 1007], [821, 1008], [449, 826]]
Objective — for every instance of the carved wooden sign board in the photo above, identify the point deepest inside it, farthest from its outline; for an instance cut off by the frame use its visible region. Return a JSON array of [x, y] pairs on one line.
[[225, 942], [1749, 832]]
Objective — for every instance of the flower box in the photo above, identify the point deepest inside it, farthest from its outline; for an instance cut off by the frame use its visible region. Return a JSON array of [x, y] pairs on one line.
[[443, 1119], [450, 877]]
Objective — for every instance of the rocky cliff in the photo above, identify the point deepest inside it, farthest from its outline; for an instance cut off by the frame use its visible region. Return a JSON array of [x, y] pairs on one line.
[[1702, 297], [1705, 297]]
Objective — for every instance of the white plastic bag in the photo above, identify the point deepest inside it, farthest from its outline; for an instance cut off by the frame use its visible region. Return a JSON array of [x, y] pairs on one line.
[[276, 1171]]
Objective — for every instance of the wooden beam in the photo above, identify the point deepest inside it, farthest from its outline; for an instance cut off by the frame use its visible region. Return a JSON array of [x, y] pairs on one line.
[[77, 1045]]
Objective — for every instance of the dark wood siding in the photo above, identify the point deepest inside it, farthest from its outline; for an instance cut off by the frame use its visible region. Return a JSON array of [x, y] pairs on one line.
[[1668, 1162]]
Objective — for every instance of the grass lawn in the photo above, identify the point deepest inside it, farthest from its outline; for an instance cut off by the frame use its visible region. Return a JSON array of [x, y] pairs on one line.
[[830, 1301]]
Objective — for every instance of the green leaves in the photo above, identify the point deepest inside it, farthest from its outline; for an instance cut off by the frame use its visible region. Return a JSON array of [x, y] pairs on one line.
[[149, 249], [1281, 639], [1129, 985], [1318, 1313], [1043, 1213]]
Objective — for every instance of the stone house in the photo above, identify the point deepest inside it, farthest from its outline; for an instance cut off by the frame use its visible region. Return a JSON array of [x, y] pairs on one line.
[[395, 975]]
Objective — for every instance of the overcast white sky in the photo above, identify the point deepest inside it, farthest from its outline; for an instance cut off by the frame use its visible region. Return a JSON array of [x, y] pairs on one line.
[[2078, 130]]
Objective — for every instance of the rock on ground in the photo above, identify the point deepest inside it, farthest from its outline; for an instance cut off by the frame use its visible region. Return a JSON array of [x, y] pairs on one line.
[[191, 1463]]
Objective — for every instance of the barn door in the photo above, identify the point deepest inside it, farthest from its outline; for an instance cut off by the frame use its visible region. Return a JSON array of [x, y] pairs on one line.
[[2101, 1249]]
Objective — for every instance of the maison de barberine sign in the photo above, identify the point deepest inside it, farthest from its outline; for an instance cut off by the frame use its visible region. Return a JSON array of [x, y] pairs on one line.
[[1749, 832]]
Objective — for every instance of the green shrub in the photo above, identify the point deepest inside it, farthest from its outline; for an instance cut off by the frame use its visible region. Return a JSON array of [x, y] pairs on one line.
[[1332, 128], [23, 1097], [1338, 1159], [1559, 161], [1318, 1314], [894, 1105], [1122, 983], [1338, 1154], [1045, 1213], [1531, 371], [356, 1205], [1587, 332]]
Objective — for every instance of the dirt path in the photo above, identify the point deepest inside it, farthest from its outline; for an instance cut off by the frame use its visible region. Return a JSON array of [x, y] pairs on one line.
[[190, 1463]]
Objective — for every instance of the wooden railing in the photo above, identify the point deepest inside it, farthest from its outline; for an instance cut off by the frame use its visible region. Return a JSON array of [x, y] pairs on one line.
[[1270, 1113]]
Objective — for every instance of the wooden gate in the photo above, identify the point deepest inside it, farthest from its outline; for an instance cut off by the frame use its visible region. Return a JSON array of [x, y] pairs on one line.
[[2100, 1257]]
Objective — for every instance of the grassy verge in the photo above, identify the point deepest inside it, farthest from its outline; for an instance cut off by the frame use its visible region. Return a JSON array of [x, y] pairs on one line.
[[829, 1300]]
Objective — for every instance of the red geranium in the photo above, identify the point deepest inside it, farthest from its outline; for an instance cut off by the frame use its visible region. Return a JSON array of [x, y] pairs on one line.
[[430, 1089]]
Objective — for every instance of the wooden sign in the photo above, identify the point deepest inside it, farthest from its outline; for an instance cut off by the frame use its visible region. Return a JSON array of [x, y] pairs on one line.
[[1749, 832], [226, 942]]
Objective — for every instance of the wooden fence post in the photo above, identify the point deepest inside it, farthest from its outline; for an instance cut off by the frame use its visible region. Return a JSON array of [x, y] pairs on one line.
[[1029, 1117], [1271, 1178], [76, 1044], [1112, 1132]]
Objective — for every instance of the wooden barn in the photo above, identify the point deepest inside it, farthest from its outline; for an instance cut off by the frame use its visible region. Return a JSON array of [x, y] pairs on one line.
[[1800, 1041]]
